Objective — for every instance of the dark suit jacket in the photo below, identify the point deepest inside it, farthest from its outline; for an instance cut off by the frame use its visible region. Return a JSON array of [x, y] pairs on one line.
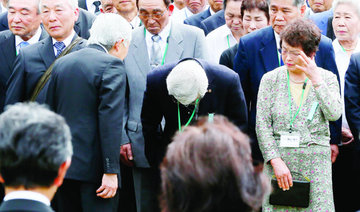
[[224, 96], [330, 30], [91, 99], [81, 27], [352, 96], [29, 66], [213, 22], [227, 57], [3, 21], [24, 205], [195, 20], [82, 4], [7, 58], [257, 54]]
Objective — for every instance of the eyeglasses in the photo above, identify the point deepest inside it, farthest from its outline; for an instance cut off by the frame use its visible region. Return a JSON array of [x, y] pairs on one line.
[[156, 15], [284, 51]]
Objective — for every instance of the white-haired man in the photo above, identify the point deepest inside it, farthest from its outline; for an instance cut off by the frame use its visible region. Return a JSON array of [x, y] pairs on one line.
[[58, 18], [94, 113], [180, 93]]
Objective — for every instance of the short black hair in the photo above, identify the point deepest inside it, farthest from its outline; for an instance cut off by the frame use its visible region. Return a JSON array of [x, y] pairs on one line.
[[166, 2], [34, 154], [249, 5]]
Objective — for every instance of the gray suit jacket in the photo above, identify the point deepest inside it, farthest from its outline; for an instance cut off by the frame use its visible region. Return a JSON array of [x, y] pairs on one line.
[[184, 41]]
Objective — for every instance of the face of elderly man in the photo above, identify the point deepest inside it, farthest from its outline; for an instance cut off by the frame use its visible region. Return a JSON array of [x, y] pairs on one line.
[[154, 15], [216, 5], [58, 18], [233, 17], [125, 6], [24, 18], [107, 6], [318, 6], [283, 12], [195, 6]]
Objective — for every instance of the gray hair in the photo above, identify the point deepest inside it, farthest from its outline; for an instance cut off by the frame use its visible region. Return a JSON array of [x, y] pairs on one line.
[[108, 29], [296, 3], [74, 4], [187, 81], [20, 115], [354, 3]]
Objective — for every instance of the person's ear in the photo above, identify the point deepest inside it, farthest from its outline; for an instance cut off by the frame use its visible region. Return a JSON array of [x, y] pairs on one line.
[[171, 9], [61, 173], [302, 10], [2, 179]]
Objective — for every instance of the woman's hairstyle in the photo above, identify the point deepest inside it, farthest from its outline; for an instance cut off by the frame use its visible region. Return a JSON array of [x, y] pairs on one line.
[[249, 5], [302, 33], [208, 167]]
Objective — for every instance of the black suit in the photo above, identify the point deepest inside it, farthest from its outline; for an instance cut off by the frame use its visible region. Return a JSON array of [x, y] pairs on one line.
[[24, 205], [213, 22], [7, 58], [227, 57], [224, 96], [81, 27], [195, 20], [29, 66], [91, 99]]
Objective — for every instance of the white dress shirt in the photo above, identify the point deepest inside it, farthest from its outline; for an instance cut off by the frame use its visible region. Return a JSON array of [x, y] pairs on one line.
[[28, 195], [342, 60], [135, 23], [67, 41], [90, 6], [164, 34], [35, 38], [218, 41]]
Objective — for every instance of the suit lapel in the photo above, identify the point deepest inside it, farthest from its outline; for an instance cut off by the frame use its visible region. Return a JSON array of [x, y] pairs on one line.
[[268, 52], [47, 51], [140, 53], [175, 48]]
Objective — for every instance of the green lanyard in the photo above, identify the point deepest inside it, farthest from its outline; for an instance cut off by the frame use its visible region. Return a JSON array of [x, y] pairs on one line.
[[166, 47], [228, 41], [191, 117], [301, 100]]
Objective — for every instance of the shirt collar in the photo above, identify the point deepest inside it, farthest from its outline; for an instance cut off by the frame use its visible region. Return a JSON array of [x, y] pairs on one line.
[[135, 22], [277, 39], [67, 40], [29, 195], [35, 38], [338, 48], [212, 12]]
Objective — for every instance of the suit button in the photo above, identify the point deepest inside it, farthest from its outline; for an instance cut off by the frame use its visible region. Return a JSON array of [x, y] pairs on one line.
[[188, 112]]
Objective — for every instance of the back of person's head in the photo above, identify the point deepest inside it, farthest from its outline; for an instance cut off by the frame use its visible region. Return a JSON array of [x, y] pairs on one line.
[[108, 29], [187, 82], [208, 168], [34, 143]]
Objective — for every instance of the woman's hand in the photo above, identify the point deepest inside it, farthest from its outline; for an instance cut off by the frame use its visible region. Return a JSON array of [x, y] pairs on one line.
[[309, 67], [282, 173]]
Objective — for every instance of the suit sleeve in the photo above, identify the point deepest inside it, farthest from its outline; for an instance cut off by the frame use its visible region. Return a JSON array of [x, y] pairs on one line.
[[50, 99], [15, 89], [204, 28], [237, 105], [352, 96], [326, 60], [125, 138], [241, 67], [110, 112], [151, 116]]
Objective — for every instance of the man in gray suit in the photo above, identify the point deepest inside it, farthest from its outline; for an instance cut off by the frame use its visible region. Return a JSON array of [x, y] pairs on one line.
[[24, 21], [157, 42], [33, 61]]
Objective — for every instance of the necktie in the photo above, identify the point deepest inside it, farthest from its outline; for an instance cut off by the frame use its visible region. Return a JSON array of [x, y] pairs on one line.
[[155, 51], [281, 60], [97, 4], [23, 44], [59, 46]]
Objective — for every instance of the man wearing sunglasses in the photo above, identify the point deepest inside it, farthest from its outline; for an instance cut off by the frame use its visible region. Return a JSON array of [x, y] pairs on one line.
[[157, 42]]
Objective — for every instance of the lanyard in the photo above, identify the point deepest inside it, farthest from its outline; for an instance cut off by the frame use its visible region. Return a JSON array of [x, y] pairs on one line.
[[301, 100], [191, 117], [228, 41], [166, 47]]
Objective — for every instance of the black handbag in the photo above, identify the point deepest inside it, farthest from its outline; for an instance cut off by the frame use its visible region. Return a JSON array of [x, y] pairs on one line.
[[297, 196]]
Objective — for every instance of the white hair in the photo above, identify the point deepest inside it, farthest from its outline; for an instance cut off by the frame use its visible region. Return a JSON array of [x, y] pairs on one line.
[[353, 3], [108, 29], [187, 81]]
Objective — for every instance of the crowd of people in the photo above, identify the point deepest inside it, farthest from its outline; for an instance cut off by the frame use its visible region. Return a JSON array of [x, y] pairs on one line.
[[175, 106]]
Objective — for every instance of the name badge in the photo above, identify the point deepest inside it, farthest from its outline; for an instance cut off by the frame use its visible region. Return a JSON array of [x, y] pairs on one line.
[[289, 139]]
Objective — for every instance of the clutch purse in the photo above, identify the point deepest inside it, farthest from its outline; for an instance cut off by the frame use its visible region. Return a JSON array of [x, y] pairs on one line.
[[297, 196]]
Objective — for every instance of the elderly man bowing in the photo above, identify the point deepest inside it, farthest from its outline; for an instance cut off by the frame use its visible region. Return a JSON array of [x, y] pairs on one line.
[[181, 92], [88, 89]]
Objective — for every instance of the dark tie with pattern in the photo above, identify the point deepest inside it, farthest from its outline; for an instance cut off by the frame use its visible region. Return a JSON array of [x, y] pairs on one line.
[[59, 46], [97, 4]]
